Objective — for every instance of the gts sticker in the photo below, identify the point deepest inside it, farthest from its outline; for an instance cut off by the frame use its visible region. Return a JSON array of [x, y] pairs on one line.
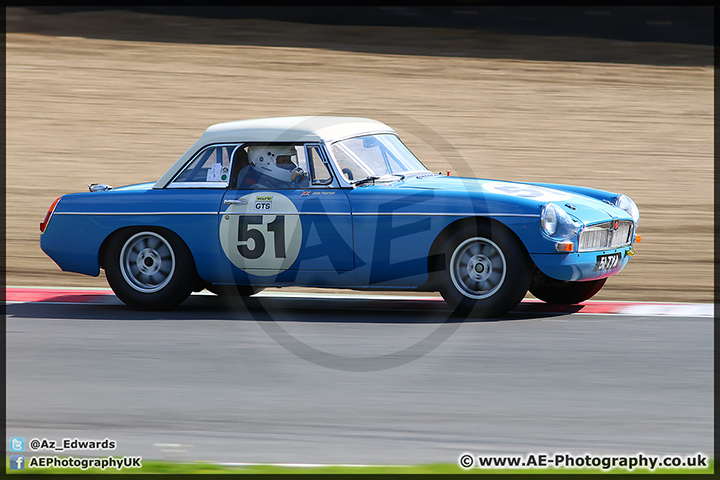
[[264, 202]]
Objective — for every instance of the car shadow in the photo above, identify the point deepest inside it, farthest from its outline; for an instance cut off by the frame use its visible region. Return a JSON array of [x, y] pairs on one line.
[[283, 309]]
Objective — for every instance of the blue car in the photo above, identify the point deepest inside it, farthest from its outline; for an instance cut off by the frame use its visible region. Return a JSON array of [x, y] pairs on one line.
[[340, 202]]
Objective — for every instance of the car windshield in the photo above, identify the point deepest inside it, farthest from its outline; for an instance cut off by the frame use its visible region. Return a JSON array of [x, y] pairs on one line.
[[374, 157]]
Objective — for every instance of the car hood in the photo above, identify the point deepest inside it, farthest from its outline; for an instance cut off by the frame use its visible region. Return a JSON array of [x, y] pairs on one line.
[[584, 204], [135, 188]]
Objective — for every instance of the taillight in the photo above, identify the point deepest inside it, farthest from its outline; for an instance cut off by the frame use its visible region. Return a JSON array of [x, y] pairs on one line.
[[43, 225]]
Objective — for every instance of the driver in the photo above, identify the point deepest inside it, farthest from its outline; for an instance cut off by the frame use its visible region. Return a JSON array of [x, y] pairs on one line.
[[273, 164]]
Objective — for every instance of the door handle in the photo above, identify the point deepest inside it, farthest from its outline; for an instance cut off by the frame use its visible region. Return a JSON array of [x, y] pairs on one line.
[[235, 202]]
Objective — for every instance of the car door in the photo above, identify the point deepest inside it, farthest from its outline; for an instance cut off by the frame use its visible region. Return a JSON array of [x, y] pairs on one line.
[[299, 232]]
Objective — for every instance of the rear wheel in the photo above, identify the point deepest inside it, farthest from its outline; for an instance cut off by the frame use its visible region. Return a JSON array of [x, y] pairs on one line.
[[486, 271], [149, 270], [567, 292]]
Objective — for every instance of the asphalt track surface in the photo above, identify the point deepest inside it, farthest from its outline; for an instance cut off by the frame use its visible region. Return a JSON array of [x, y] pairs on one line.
[[333, 380]]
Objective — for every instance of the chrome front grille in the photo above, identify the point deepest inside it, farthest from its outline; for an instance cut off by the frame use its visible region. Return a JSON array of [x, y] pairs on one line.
[[605, 236]]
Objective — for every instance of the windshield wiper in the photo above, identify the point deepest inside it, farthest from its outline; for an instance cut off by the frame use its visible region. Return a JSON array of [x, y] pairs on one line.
[[365, 180], [372, 178]]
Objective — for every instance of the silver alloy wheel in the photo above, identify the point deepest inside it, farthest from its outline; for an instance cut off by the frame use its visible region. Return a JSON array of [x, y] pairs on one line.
[[147, 262], [478, 268]]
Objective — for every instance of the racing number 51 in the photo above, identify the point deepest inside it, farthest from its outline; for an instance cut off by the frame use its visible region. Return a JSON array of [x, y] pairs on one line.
[[246, 232]]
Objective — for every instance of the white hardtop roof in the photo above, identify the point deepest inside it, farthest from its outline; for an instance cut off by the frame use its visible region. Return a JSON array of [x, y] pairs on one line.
[[293, 129], [302, 129]]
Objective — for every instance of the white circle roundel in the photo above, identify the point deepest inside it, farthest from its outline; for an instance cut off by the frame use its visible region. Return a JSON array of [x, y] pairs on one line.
[[263, 236], [535, 192]]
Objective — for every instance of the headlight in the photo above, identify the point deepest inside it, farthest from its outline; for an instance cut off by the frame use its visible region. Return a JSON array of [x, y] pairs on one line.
[[624, 202], [556, 223]]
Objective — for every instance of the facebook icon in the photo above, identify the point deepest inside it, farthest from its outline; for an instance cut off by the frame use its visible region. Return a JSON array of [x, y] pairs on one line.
[[17, 462]]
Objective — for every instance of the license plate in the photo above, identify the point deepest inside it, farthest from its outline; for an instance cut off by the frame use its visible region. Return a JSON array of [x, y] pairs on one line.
[[607, 262]]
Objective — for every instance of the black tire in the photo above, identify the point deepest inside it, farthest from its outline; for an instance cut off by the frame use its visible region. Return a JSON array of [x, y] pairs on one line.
[[149, 269], [567, 292], [230, 290], [486, 271]]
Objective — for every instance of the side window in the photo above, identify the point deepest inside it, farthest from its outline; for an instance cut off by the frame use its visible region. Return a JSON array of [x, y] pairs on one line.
[[320, 173], [273, 166], [210, 167]]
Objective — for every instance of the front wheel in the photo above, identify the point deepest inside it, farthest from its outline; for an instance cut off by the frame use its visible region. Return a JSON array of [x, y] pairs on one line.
[[486, 271], [567, 292], [149, 270]]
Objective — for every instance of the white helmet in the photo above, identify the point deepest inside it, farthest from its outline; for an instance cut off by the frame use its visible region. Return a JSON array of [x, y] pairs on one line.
[[273, 161]]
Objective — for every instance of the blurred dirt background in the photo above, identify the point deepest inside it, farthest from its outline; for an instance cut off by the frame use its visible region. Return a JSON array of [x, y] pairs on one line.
[[117, 97]]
